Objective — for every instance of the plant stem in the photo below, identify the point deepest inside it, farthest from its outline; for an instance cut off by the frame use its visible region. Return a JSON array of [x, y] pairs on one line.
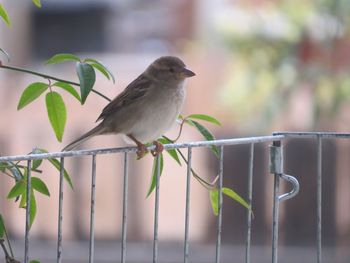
[[50, 77], [204, 183]]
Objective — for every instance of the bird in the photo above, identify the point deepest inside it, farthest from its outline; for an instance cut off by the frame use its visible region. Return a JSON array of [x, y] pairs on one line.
[[146, 108]]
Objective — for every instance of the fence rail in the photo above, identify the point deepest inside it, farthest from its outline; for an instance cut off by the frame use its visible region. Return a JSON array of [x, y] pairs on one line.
[[276, 167]]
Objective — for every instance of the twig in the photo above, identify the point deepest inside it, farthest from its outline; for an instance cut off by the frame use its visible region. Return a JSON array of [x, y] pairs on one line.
[[204, 183], [50, 77]]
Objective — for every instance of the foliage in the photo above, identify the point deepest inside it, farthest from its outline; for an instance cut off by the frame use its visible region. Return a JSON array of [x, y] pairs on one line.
[[291, 49], [57, 114]]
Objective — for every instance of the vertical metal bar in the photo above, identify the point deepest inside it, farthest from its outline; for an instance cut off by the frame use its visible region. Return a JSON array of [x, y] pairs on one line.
[[125, 206], [275, 211], [92, 210], [156, 213], [60, 214], [219, 225], [319, 200], [187, 212], [28, 201], [250, 195]]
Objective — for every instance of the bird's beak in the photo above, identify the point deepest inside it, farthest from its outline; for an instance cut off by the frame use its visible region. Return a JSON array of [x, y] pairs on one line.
[[186, 73]]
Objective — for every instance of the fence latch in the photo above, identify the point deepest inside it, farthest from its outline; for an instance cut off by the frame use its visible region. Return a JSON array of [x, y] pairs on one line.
[[276, 167], [276, 159]]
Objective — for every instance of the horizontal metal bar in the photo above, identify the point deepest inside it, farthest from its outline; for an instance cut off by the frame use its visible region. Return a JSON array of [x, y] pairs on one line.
[[236, 141], [313, 134]]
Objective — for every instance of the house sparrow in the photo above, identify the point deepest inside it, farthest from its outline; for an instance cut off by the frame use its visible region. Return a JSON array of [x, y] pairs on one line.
[[147, 107]]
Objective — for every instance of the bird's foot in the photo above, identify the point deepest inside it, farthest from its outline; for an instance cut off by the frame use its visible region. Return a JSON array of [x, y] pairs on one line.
[[158, 149], [141, 150]]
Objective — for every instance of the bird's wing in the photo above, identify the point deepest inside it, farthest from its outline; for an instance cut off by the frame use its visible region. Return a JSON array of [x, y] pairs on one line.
[[132, 93]]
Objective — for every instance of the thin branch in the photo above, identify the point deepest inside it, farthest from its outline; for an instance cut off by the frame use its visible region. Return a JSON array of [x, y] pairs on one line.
[[4, 248], [204, 183], [50, 77], [10, 175], [180, 131]]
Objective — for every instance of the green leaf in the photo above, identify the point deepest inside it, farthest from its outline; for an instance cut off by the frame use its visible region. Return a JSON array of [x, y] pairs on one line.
[[16, 172], [232, 194], [18, 189], [32, 208], [5, 53], [36, 163], [32, 92], [154, 174], [214, 200], [4, 15], [23, 202], [3, 166], [57, 165], [56, 111], [40, 186], [37, 3], [2, 227], [171, 152], [66, 176], [102, 68], [59, 58], [206, 134], [87, 77], [204, 117], [34, 261], [69, 88]]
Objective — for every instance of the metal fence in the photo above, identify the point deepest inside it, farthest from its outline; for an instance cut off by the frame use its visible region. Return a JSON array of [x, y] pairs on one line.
[[276, 167]]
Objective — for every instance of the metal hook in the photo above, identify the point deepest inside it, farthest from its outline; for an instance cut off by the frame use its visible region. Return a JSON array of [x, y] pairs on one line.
[[276, 167], [293, 192]]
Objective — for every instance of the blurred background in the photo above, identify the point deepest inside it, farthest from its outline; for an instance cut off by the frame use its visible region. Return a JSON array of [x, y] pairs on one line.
[[261, 66]]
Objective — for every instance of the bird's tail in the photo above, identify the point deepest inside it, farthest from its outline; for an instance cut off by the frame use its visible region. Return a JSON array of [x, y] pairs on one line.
[[95, 131]]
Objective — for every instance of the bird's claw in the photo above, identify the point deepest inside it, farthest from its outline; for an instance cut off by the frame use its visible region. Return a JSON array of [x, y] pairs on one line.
[[141, 150], [158, 149]]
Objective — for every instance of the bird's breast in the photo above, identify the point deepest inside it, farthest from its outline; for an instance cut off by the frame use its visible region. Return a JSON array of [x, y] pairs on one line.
[[161, 113]]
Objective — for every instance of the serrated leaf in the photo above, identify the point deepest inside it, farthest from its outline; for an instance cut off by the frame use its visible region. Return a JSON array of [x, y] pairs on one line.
[[59, 58], [40, 186], [214, 200], [56, 111], [204, 117], [5, 53], [171, 152], [32, 92], [232, 194], [87, 77], [2, 227], [57, 165], [102, 68], [18, 189], [4, 15], [37, 3], [206, 134], [69, 88], [154, 174]]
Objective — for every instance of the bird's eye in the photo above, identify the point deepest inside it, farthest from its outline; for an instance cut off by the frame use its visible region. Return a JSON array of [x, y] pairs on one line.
[[172, 70]]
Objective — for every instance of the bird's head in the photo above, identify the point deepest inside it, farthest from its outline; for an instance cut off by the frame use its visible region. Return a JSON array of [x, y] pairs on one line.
[[169, 69]]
